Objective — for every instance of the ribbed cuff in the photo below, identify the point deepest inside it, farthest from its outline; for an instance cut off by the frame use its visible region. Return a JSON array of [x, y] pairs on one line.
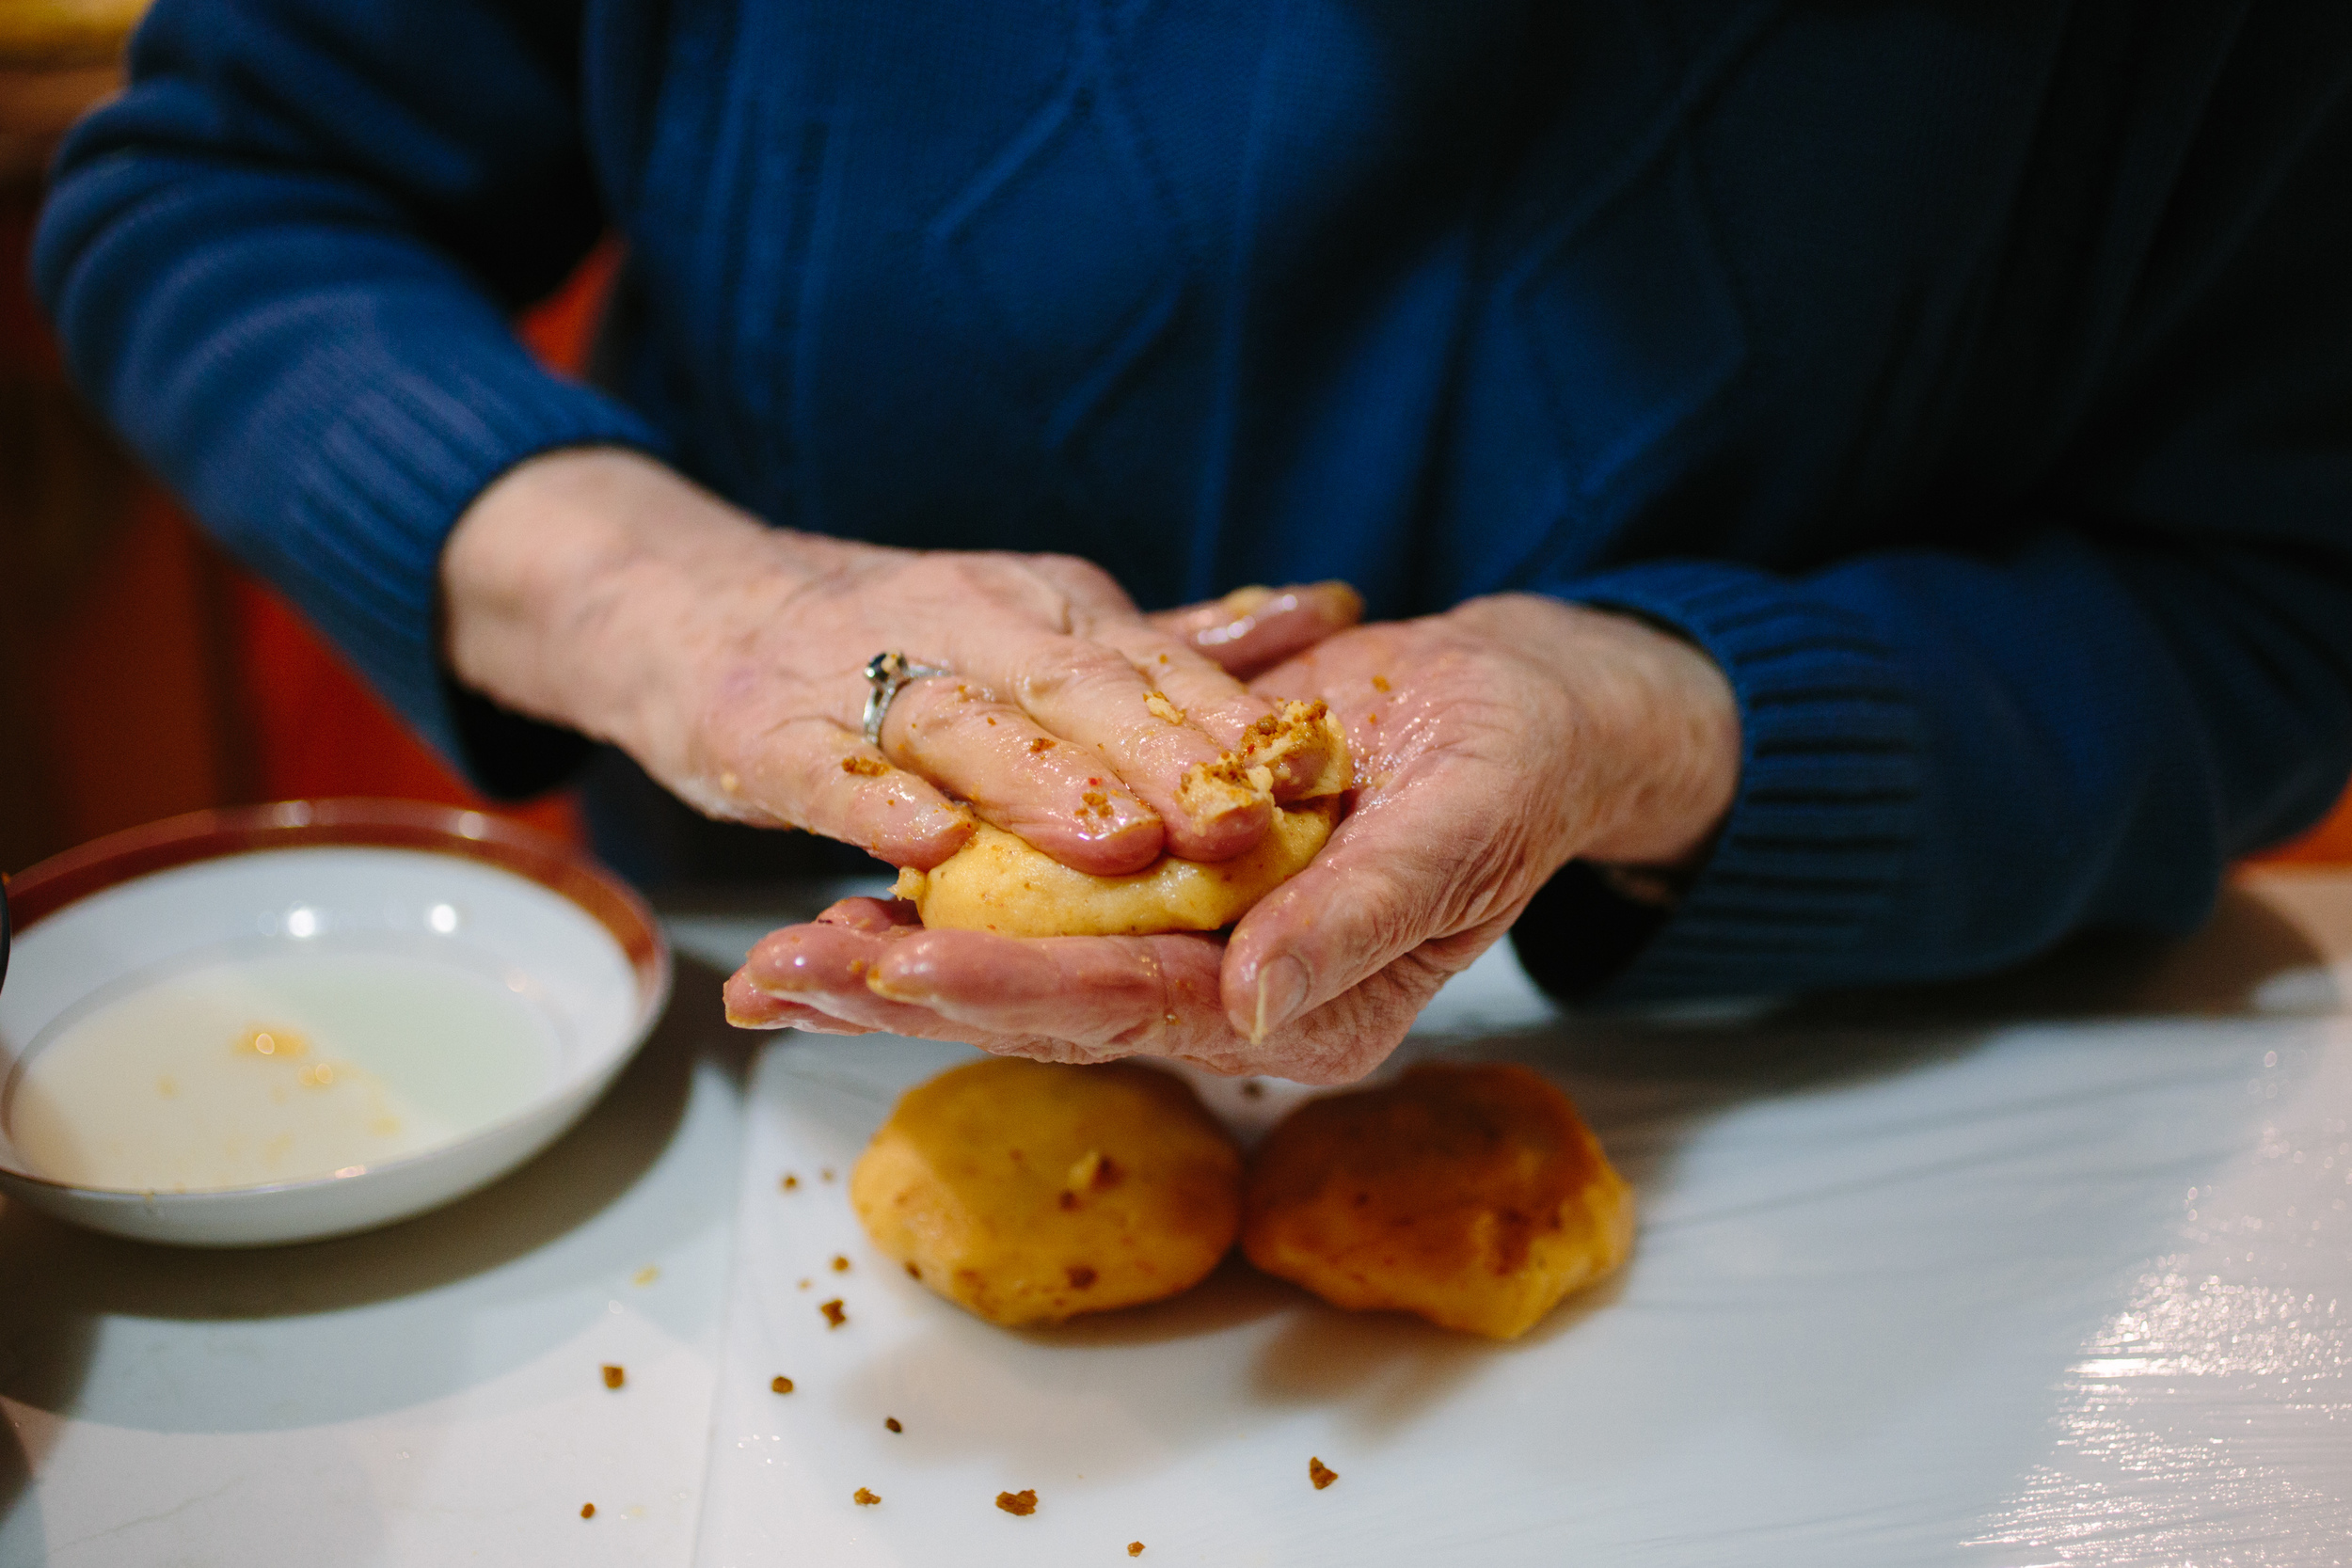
[[374, 500], [1827, 818]]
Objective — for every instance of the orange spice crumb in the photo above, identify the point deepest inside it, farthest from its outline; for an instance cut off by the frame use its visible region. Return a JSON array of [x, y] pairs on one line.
[[891, 1423], [1134, 1549], [834, 1317], [865, 1498], [613, 1377], [1380, 683], [790, 1182], [780, 1384], [864, 768], [587, 1510], [1042, 743], [1321, 1474], [840, 1264], [914, 1272], [1022, 1503]]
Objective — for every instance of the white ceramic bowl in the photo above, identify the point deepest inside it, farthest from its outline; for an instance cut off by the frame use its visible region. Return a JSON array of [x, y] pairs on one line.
[[430, 884]]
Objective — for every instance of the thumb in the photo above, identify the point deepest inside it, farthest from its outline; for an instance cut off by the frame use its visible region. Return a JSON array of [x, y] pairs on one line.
[[1404, 873]]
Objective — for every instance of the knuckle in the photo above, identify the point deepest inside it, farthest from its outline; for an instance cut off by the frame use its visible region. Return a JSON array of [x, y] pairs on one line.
[[1079, 576], [1071, 668]]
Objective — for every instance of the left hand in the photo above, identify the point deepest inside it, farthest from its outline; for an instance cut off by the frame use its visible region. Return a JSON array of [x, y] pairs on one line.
[[1493, 743]]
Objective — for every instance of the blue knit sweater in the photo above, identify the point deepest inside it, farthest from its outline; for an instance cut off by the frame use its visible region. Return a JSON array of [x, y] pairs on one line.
[[1973, 380]]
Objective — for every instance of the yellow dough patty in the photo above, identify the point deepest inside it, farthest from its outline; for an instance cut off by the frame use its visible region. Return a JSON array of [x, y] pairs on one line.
[[1028, 1193], [1000, 882], [1474, 1196]]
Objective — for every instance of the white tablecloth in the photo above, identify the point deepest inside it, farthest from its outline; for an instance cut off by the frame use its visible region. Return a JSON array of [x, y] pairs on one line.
[[2127, 1346]]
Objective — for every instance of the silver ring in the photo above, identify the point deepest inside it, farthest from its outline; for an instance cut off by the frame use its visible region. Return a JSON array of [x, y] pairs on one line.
[[886, 675]]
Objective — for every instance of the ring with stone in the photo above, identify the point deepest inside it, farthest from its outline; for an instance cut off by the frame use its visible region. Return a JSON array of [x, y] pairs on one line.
[[886, 675]]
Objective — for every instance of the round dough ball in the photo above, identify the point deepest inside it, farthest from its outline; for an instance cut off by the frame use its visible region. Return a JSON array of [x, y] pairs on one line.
[[1472, 1196], [1001, 883], [1028, 1193]]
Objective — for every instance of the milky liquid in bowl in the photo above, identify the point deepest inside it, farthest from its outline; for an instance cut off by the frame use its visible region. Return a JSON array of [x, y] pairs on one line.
[[275, 1067]]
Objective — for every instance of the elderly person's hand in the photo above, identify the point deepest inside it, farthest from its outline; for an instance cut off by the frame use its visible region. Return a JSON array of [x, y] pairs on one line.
[[1494, 742], [596, 588]]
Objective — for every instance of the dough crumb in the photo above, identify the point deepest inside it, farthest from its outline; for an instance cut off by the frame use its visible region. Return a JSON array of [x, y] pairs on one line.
[[587, 1510], [780, 1384], [834, 1317], [1134, 1549], [613, 1377], [1023, 1502], [891, 1422], [840, 1264], [865, 1498], [1162, 708], [1321, 1474]]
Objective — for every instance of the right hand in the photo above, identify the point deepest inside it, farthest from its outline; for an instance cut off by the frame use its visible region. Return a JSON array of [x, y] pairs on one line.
[[596, 588]]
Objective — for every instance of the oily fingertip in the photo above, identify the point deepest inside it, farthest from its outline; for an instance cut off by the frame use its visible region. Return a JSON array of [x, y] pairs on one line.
[[1216, 820], [1090, 842], [870, 916], [749, 1006]]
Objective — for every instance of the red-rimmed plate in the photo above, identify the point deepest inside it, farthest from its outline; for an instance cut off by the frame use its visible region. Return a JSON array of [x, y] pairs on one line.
[[281, 1023]]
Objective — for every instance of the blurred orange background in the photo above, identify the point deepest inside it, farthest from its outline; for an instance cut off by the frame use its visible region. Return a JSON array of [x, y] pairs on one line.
[[142, 673]]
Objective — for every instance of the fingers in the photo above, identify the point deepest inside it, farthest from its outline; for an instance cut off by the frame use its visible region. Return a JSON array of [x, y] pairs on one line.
[[1253, 630], [862, 967], [819, 968], [1062, 797], [1089, 692], [838, 787], [1415, 861], [1102, 992], [749, 1007], [1120, 996], [813, 977]]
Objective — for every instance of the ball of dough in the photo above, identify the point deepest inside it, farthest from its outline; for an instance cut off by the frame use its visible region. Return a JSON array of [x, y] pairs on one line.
[[1000, 882], [1028, 1193], [1471, 1196]]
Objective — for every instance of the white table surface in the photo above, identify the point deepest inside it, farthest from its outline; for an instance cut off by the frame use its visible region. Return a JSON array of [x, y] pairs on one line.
[[431, 1393]]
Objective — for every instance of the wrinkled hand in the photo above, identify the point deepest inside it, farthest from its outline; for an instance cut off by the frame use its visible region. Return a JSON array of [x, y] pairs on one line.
[[596, 588], [1493, 743]]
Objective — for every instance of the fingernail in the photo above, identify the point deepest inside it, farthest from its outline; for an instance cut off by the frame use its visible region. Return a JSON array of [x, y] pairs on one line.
[[1281, 992], [897, 988]]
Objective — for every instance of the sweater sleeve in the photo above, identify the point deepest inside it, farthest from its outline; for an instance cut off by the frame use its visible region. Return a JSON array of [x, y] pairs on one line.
[[1956, 755], [282, 262]]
